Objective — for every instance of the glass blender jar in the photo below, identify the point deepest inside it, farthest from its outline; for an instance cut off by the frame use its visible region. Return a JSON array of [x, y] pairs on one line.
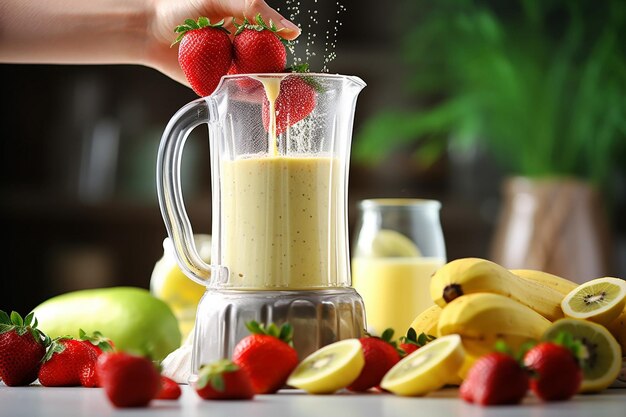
[[280, 148]]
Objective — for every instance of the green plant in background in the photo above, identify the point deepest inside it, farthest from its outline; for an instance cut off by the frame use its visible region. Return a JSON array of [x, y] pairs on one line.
[[541, 84]]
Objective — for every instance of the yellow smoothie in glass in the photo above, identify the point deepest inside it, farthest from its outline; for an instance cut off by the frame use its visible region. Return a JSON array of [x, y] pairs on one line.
[[394, 289], [282, 226]]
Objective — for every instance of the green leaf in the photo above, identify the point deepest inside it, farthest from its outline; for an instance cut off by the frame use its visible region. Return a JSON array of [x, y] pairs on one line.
[[286, 333], [204, 22], [273, 330], [411, 334], [82, 335], [4, 318], [254, 327], [29, 319], [502, 347], [387, 335], [16, 319], [260, 21], [217, 382], [192, 23], [6, 328]]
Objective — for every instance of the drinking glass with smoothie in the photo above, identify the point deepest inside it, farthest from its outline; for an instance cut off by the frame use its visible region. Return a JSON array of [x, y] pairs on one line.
[[398, 246]]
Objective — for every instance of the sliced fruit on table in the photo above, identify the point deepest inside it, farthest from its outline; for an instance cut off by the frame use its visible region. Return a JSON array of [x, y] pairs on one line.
[[330, 368], [65, 362], [426, 369], [474, 275], [22, 347], [482, 319], [131, 317], [556, 374], [495, 379], [603, 360], [205, 53], [380, 354], [600, 300], [267, 355], [223, 380]]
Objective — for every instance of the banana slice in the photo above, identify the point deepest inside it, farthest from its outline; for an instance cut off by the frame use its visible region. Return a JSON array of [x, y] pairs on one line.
[[391, 244], [330, 368], [427, 369]]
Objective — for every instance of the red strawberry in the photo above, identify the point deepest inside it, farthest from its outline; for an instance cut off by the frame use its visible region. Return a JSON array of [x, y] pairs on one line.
[[495, 378], [128, 380], [267, 356], [99, 344], [170, 390], [257, 48], [205, 53], [22, 346], [380, 356], [411, 342], [223, 380], [64, 362], [556, 373], [295, 101]]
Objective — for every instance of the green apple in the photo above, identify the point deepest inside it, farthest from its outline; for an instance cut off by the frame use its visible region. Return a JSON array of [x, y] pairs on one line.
[[131, 317]]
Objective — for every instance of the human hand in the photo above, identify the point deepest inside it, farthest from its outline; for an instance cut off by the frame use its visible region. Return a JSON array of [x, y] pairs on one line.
[[167, 14]]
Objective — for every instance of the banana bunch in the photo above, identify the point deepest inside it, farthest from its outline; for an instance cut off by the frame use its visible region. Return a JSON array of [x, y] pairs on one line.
[[474, 275]]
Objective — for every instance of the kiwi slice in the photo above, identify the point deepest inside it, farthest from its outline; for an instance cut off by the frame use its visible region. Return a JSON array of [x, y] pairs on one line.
[[602, 360], [600, 300]]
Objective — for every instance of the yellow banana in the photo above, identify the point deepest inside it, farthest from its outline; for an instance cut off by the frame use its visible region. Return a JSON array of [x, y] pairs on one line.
[[618, 329], [474, 275], [481, 319], [426, 321], [562, 285]]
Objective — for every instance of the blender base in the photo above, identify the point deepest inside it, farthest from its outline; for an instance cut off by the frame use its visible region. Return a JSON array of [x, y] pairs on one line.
[[318, 317]]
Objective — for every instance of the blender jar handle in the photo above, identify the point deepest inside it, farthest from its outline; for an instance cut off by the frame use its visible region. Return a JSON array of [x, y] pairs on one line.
[[169, 187]]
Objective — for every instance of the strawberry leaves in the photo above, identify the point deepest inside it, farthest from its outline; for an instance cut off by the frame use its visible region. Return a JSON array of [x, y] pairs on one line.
[[259, 26], [20, 325], [284, 332], [213, 374], [96, 339], [190, 24]]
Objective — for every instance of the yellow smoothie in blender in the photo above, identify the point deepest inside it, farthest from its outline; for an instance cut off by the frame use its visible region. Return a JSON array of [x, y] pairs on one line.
[[279, 224], [395, 290]]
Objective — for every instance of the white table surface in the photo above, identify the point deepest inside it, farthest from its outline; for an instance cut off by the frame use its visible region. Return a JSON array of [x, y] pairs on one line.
[[37, 401]]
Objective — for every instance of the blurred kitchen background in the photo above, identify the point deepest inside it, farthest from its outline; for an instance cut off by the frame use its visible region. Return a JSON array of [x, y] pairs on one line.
[[512, 114]]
